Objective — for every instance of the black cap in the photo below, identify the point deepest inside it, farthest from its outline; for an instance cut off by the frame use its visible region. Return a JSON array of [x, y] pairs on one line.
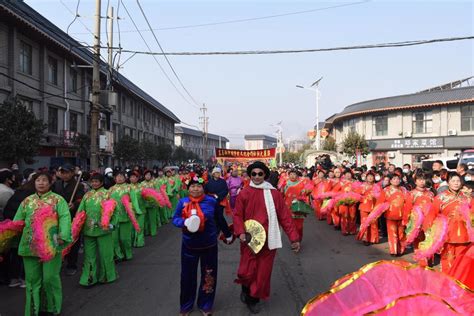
[[259, 165], [66, 167]]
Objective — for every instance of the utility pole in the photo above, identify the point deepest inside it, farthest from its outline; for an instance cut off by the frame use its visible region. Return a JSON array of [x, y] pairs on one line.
[[204, 122], [110, 44], [315, 87], [95, 90], [280, 144]]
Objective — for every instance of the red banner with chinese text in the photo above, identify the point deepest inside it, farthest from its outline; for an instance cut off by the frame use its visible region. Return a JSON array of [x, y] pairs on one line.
[[222, 153]]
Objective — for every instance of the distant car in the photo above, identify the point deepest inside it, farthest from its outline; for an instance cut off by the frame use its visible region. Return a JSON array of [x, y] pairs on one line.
[[449, 163], [467, 157]]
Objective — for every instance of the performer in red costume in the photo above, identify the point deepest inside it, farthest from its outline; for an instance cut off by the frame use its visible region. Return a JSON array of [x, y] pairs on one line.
[[333, 215], [397, 197], [321, 185], [262, 203], [347, 211], [370, 191], [297, 190], [422, 197], [456, 205]]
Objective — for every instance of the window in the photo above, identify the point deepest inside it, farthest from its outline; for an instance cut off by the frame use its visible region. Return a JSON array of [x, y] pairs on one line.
[[350, 125], [124, 104], [73, 81], [467, 117], [73, 122], [139, 110], [52, 120], [52, 70], [380, 125], [26, 58], [422, 122]]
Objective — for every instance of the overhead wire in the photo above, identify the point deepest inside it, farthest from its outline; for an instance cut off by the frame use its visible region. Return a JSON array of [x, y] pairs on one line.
[[75, 17], [249, 19], [154, 57], [311, 50], [164, 55], [61, 96], [119, 36]]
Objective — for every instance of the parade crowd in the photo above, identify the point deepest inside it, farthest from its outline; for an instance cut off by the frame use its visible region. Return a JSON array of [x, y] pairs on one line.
[[49, 217]]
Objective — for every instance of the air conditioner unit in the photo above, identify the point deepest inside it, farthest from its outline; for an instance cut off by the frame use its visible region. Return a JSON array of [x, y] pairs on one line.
[[452, 132], [406, 134], [391, 155]]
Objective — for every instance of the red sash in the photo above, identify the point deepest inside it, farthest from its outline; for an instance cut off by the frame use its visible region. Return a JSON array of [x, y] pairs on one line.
[[194, 204]]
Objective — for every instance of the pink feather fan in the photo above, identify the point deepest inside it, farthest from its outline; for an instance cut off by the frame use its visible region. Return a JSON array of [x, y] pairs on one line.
[[466, 214], [165, 196], [434, 239], [43, 244], [131, 214], [373, 216], [150, 194], [327, 205], [8, 230], [76, 228], [108, 208], [414, 225]]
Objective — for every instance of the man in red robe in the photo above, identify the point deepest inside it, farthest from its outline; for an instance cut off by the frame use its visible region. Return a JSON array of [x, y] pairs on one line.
[[263, 203]]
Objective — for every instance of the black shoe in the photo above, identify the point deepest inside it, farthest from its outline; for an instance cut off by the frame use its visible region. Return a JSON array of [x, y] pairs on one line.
[[243, 297], [366, 243], [71, 271], [254, 308]]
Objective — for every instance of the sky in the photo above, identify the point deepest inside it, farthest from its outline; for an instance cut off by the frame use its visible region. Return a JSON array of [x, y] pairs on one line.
[[250, 94]]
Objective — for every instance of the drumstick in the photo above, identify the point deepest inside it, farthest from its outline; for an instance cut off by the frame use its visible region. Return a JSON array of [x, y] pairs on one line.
[[75, 188]]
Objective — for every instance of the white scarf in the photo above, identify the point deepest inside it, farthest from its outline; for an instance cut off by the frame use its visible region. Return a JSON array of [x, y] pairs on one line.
[[274, 235]]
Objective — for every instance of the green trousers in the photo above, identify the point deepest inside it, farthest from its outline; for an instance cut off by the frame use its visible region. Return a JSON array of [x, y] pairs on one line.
[[152, 221], [98, 249], [122, 236], [163, 214], [174, 201], [139, 237], [43, 285]]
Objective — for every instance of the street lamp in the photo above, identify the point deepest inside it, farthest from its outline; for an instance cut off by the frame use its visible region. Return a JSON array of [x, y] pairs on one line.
[[315, 87]]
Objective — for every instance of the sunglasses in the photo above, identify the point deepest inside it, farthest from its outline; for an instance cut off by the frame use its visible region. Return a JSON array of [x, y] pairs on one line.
[[260, 174]]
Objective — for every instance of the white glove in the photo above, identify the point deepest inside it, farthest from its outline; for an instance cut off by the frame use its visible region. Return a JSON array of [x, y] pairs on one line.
[[229, 239], [193, 222]]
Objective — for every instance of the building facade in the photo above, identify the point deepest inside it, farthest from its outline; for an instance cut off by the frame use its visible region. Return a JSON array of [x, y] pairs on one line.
[[193, 140], [410, 128], [52, 75], [259, 142]]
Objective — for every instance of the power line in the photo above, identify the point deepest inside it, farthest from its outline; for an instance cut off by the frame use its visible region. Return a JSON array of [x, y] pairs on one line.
[[154, 57], [311, 50], [42, 91], [119, 37], [164, 55], [75, 17], [248, 19]]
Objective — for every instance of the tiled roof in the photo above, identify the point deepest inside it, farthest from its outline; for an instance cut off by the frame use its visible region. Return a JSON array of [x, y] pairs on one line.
[[23, 12], [421, 99], [195, 132], [260, 137]]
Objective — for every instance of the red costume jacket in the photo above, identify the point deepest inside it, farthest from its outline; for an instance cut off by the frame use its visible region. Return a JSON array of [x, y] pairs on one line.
[[397, 198], [449, 204]]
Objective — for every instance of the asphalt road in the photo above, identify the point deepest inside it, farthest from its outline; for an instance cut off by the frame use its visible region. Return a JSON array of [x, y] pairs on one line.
[[149, 284]]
